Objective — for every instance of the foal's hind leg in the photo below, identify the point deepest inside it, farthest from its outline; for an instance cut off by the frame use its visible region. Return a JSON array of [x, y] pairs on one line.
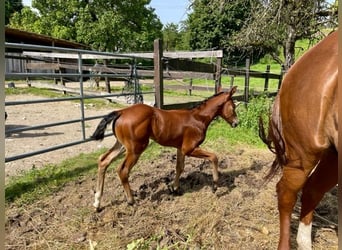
[[200, 153], [321, 181], [123, 172], [103, 162]]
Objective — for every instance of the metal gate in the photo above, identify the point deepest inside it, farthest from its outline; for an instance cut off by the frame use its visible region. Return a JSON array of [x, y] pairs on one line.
[[29, 52]]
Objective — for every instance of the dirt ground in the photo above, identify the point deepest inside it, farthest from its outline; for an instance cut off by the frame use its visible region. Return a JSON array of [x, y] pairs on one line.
[[241, 214]]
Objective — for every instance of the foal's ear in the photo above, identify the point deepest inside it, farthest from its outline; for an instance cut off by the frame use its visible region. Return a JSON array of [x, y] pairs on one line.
[[233, 90]]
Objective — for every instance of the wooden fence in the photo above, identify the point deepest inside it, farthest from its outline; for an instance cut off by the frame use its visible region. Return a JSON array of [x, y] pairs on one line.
[[167, 65], [190, 69]]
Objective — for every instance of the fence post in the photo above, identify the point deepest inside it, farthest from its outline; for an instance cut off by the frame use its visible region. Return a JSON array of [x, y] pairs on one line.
[[190, 87], [231, 81], [158, 73], [135, 79], [246, 91], [282, 71], [267, 76], [80, 72], [27, 71], [218, 74], [60, 70], [107, 82]]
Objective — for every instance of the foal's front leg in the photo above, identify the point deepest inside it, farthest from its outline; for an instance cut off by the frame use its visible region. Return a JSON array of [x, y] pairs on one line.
[[103, 163], [200, 153], [179, 170]]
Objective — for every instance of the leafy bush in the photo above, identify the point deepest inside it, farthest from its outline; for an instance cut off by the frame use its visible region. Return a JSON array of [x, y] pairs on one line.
[[249, 114]]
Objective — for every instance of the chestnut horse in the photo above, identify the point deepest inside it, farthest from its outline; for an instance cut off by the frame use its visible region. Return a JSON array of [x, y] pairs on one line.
[[303, 133], [181, 129]]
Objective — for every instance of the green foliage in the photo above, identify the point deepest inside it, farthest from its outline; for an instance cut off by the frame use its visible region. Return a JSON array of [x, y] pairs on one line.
[[142, 244], [273, 24], [175, 37], [249, 115], [211, 23], [104, 25], [11, 7]]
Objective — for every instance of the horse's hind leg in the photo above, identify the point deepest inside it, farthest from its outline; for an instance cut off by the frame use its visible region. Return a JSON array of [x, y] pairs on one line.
[[289, 185], [321, 181], [103, 162], [179, 170], [200, 153]]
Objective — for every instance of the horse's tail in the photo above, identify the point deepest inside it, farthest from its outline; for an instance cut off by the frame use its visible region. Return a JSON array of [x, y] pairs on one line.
[[101, 128], [274, 141]]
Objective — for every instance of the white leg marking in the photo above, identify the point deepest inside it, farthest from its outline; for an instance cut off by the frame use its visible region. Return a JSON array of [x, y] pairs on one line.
[[97, 200], [304, 236]]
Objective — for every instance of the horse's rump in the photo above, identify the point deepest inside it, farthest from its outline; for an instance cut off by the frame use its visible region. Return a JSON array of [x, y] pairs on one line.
[[304, 116]]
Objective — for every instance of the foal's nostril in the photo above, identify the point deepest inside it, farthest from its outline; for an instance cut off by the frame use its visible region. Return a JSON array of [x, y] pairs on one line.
[[235, 123]]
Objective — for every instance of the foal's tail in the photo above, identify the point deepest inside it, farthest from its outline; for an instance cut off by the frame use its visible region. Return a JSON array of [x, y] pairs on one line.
[[274, 141], [101, 128]]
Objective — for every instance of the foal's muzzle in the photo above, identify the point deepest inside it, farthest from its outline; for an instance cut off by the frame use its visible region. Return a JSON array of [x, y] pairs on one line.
[[235, 123]]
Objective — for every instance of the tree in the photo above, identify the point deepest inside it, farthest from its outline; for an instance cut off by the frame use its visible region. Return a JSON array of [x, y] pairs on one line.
[[106, 25], [283, 22], [175, 37], [213, 22], [12, 6], [170, 36]]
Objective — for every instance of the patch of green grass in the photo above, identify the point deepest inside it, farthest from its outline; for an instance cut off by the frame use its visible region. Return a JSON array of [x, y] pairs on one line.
[[48, 93], [34, 91], [102, 103], [34, 184]]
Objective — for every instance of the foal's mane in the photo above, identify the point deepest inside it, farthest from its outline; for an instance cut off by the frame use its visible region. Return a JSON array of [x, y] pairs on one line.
[[204, 101]]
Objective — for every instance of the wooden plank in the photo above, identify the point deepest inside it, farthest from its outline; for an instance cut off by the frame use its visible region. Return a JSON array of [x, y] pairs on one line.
[[255, 74], [43, 66], [186, 65], [186, 105], [74, 56], [194, 54], [185, 74], [148, 55], [189, 105]]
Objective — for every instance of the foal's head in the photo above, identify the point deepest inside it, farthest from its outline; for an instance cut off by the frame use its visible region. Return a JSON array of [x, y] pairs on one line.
[[228, 109]]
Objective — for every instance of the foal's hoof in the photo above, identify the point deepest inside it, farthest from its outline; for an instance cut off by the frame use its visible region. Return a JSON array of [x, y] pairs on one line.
[[173, 190], [214, 188], [98, 209], [131, 203]]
